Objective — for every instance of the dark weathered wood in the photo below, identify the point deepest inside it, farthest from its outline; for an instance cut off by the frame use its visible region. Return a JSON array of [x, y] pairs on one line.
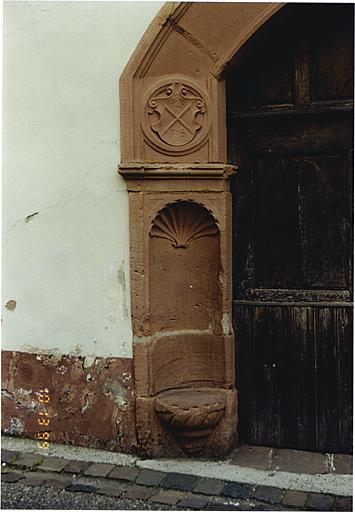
[[322, 107], [296, 375], [280, 295], [291, 134], [293, 303]]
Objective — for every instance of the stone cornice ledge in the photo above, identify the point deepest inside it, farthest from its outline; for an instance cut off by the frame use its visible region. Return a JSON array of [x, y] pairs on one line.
[[139, 170]]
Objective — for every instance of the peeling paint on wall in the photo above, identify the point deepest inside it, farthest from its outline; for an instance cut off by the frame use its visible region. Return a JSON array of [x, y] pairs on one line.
[[11, 305], [87, 403], [122, 282], [15, 428]]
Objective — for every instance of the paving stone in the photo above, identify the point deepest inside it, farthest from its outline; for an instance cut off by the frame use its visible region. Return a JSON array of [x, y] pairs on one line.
[[34, 479], [11, 477], [58, 481], [193, 501], [258, 505], [179, 481], [150, 477], [55, 464], [168, 497], [269, 494], [235, 490], [127, 473], [115, 489], [210, 486], [258, 457], [345, 504], [76, 466], [295, 499], [296, 461], [28, 460], [89, 481], [99, 470], [81, 488], [136, 492], [223, 505], [8, 456], [343, 463], [320, 502]]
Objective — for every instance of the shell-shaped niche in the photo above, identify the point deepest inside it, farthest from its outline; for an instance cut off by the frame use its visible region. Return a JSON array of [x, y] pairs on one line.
[[182, 222]]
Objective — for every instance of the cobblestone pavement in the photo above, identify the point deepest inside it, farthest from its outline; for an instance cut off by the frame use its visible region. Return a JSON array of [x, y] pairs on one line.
[[33, 481]]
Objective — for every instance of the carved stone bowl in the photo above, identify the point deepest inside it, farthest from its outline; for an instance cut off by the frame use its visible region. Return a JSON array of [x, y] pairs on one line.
[[191, 414]]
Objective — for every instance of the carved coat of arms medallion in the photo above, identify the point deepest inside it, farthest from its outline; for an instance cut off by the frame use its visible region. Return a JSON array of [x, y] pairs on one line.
[[176, 117]]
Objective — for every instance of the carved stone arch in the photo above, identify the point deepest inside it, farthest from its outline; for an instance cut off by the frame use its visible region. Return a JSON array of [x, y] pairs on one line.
[[177, 49], [174, 161]]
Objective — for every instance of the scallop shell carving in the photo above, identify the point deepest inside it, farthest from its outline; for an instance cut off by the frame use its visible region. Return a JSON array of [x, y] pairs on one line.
[[183, 222]]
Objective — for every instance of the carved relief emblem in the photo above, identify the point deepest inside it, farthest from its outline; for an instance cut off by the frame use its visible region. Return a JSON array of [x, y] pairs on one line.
[[183, 222], [176, 117]]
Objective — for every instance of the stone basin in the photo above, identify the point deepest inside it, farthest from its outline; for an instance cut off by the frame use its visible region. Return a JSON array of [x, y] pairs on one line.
[[191, 414]]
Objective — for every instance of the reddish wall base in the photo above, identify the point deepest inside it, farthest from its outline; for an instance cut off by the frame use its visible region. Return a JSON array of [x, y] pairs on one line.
[[91, 401]]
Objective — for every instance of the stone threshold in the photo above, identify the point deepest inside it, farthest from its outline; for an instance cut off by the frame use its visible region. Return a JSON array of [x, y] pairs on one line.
[[202, 483]]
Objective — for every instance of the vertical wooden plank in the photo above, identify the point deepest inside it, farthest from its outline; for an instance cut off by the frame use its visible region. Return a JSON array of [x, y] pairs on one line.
[[324, 202], [302, 72], [334, 376], [276, 231], [275, 376]]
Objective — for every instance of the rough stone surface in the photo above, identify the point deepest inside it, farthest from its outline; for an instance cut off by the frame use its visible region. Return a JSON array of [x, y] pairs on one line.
[[319, 502], [209, 486], [150, 477], [168, 497], [112, 489], [11, 477], [99, 470], [81, 488], [258, 457], [28, 460], [55, 464], [34, 479], [343, 463], [76, 466], [127, 473], [295, 499], [194, 502], [136, 492], [8, 456], [295, 461], [222, 505], [269, 494], [58, 481], [17, 496], [235, 490], [179, 482], [344, 504]]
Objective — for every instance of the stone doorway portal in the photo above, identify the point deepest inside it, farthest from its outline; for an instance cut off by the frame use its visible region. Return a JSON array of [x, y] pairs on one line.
[[174, 160]]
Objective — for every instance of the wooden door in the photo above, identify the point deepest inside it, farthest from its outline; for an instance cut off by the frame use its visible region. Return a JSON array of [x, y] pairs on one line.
[[290, 133]]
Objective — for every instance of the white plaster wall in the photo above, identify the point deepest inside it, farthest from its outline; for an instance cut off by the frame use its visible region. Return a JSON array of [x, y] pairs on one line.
[[67, 267]]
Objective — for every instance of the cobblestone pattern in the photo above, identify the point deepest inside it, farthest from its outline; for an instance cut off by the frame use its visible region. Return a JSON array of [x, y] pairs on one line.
[[186, 491]]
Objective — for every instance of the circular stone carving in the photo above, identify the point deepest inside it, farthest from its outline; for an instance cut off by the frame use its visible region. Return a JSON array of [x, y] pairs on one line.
[[175, 117]]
